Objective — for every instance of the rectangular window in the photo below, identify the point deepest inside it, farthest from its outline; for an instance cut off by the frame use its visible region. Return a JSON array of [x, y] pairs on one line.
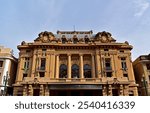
[[24, 75], [1, 63], [106, 50], [44, 52], [36, 92], [125, 75], [108, 64], [26, 63], [63, 40], [75, 41], [43, 61], [28, 51], [41, 74], [109, 74], [148, 66], [115, 92], [121, 51], [123, 64]]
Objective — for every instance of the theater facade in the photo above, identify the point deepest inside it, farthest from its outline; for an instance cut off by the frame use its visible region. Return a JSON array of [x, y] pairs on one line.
[[75, 63]]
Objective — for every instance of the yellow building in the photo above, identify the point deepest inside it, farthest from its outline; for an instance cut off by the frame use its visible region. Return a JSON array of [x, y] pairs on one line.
[[142, 74], [75, 63], [8, 67]]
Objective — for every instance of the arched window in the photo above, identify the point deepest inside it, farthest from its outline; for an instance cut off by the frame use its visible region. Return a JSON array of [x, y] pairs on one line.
[[75, 71], [63, 71], [87, 71]]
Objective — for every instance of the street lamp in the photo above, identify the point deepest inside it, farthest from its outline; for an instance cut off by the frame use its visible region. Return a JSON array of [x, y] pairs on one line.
[[144, 83], [5, 81]]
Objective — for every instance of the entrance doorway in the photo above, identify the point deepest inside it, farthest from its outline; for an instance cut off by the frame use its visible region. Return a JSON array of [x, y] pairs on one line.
[[36, 92], [75, 92], [115, 92]]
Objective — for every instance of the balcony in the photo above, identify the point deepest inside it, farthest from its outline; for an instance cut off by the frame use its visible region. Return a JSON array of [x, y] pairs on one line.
[[108, 69], [41, 69], [103, 80], [25, 70], [63, 80]]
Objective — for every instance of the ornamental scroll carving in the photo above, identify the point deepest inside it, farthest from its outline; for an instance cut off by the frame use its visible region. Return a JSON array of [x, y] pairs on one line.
[[45, 37], [104, 37]]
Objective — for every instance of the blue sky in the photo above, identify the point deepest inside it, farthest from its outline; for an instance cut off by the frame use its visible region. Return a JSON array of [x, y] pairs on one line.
[[126, 20]]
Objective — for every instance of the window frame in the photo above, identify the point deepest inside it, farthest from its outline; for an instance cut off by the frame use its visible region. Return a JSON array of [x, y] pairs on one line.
[[2, 63]]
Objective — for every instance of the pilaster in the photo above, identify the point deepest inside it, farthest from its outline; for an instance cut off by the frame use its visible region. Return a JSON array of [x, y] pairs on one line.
[[110, 90], [34, 60], [57, 66], [46, 90], [126, 90], [30, 90], [121, 90], [41, 90], [104, 91], [25, 90], [93, 66]]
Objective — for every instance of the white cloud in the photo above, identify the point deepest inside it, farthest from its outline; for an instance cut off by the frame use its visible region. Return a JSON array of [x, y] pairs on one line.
[[141, 6]]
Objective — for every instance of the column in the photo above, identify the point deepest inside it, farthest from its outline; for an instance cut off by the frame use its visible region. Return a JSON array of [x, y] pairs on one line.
[[98, 68], [69, 66], [104, 91], [126, 90], [121, 90], [135, 91], [81, 66], [57, 66], [50, 67], [25, 90], [93, 67], [47, 65], [46, 91], [30, 90], [110, 90], [41, 90]]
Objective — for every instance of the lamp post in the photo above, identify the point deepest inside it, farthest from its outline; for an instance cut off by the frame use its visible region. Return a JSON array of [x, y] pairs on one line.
[[144, 83], [5, 80]]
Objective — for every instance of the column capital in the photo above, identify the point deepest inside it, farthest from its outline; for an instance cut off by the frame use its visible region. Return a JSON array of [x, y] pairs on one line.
[[80, 54], [92, 54], [69, 54], [96, 53], [57, 54]]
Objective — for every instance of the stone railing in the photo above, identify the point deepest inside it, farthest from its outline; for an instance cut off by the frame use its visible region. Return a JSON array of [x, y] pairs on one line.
[[102, 80]]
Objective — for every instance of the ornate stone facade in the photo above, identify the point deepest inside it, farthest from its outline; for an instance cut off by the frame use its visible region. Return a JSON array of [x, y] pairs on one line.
[[75, 63], [8, 67], [141, 68]]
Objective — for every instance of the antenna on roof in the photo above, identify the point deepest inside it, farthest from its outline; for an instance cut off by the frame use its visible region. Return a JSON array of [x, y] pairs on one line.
[[74, 27]]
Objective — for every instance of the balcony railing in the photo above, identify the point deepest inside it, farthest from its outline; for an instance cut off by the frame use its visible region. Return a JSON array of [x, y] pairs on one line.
[[74, 81], [108, 68], [41, 68]]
